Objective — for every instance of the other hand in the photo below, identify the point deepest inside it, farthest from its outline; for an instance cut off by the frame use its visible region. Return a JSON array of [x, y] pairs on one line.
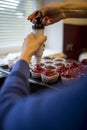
[[50, 14], [30, 46]]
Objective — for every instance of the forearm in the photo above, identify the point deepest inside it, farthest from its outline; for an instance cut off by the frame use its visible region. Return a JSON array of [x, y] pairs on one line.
[[75, 9], [15, 88]]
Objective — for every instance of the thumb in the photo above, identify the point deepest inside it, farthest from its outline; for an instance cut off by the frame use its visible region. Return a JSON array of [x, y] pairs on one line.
[[42, 39]]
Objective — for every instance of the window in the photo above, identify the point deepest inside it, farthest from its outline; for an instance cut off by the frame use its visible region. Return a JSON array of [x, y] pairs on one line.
[[14, 25]]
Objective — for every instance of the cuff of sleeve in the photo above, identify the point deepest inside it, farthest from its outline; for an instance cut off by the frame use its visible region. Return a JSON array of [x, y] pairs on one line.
[[22, 67]]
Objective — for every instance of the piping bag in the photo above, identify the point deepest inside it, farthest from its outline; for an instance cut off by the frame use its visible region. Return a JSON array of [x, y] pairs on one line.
[[38, 30]]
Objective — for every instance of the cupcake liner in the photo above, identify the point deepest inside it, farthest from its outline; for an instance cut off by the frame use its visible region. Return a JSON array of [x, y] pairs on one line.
[[35, 75], [49, 79]]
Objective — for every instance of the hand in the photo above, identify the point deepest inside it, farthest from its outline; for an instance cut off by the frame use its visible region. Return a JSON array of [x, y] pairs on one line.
[[30, 46], [50, 14]]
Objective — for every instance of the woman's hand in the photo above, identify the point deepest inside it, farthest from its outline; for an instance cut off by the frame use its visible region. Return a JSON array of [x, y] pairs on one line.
[[58, 11], [50, 14], [30, 46]]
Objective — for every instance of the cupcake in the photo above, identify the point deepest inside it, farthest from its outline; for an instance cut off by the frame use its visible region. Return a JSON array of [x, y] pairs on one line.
[[58, 59], [82, 69], [48, 62], [49, 76], [36, 71], [61, 69], [47, 58], [70, 75], [84, 61], [58, 64], [73, 64], [50, 67]]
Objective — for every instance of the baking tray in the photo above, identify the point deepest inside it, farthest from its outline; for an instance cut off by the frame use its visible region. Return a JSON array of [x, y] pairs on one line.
[[5, 72]]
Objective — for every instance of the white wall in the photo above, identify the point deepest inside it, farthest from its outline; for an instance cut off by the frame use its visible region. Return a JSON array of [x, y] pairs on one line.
[[54, 32]]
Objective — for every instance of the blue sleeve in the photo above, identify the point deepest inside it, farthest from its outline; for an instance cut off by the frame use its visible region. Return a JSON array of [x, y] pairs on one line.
[[62, 109]]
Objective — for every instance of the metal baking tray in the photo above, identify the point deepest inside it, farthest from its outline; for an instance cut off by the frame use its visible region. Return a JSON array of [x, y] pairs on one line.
[[5, 72]]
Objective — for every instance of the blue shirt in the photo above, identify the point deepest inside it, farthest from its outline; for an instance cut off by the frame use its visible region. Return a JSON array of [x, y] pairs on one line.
[[61, 109]]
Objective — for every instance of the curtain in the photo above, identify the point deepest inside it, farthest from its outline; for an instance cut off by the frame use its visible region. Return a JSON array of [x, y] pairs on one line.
[[14, 25]]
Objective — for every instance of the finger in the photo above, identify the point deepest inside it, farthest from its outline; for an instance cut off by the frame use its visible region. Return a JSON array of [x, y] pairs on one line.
[[42, 39], [31, 36], [23, 43], [44, 45], [47, 21], [30, 17], [24, 40], [34, 21], [33, 15], [50, 21], [44, 20]]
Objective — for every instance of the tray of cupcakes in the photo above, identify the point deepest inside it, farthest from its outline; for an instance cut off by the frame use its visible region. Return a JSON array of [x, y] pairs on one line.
[[52, 70]]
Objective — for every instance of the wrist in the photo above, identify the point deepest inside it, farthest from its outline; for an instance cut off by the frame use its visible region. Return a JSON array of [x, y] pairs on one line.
[[25, 58]]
